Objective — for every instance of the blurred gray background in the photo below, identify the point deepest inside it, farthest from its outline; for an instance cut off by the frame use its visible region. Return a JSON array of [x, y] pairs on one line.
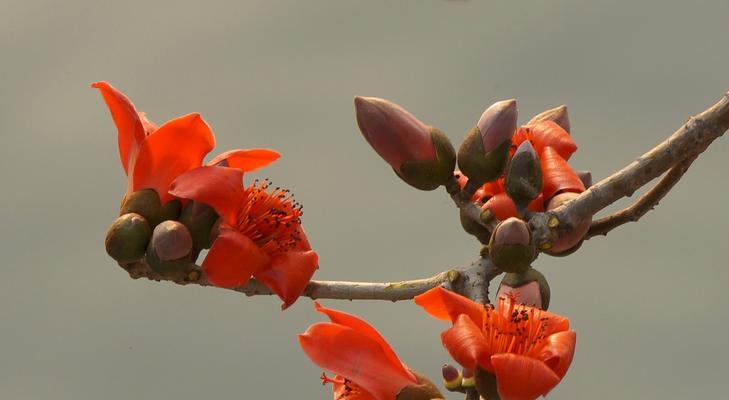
[[649, 302]]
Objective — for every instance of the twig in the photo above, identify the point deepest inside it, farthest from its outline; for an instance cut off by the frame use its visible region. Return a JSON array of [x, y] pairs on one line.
[[688, 142], [646, 203]]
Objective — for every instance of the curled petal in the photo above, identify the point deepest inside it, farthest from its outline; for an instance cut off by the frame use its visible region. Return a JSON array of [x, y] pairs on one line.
[[547, 133], [219, 187], [349, 320], [356, 356], [127, 121], [245, 159], [558, 175], [149, 126], [556, 351], [289, 273], [447, 306], [175, 148], [232, 259], [504, 208], [522, 378], [466, 344]]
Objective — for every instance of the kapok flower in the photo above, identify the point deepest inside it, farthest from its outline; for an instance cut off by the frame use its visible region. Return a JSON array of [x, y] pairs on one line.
[[528, 350], [260, 233], [152, 157], [365, 365]]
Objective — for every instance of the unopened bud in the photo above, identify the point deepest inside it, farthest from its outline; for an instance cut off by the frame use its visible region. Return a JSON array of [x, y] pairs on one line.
[[523, 182], [419, 154], [474, 228], [171, 210], [511, 248], [199, 219], [585, 177], [485, 149], [170, 248], [423, 390], [557, 115], [451, 377], [468, 380], [528, 287], [127, 238], [144, 202], [573, 239]]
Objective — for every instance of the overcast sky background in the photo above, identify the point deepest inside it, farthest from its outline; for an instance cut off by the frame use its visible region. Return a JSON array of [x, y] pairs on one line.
[[649, 302]]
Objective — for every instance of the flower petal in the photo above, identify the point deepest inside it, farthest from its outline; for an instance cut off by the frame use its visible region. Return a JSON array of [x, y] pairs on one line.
[[232, 259], [447, 306], [556, 351], [558, 175], [501, 206], [245, 159], [149, 126], [349, 391], [175, 148], [349, 320], [522, 378], [219, 187], [289, 273], [466, 344], [127, 121], [548, 133], [356, 356]]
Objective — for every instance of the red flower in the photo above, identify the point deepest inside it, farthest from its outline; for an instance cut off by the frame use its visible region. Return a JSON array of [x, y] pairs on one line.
[[260, 231], [366, 366], [153, 157], [528, 350]]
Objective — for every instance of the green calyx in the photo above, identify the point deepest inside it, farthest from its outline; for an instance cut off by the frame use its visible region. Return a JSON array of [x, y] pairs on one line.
[[516, 280], [171, 210], [474, 228], [127, 238], [511, 257], [476, 164], [523, 182], [429, 175], [144, 202], [199, 219], [423, 390], [486, 384]]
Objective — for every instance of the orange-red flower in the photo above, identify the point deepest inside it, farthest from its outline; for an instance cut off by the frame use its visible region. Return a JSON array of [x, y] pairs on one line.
[[260, 233], [153, 157], [528, 350], [365, 365]]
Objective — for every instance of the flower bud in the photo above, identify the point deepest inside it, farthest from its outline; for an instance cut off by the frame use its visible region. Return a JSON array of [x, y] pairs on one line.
[[144, 202], [423, 390], [572, 240], [557, 115], [474, 228], [170, 249], [199, 219], [451, 377], [485, 149], [528, 287], [419, 154], [171, 210], [523, 182], [511, 248], [468, 380], [127, 238]]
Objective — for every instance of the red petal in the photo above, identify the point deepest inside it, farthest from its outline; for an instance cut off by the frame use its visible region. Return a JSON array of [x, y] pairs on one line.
[[356, 356], [289, 273], [149, 126], [558, 175], [447, 306], [126, 119], [349, 320], [466, 344], [556, 351], [175, 148], [219, 187], [548, 133], [501, 206], [232, 259], [522, 378], [245, 159]]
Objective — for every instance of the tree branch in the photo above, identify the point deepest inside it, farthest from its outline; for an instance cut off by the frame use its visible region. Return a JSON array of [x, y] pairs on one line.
[[646, 203], [686, 143]]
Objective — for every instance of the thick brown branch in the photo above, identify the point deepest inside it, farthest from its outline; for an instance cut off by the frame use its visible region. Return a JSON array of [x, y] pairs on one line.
[[688, 142], [646, 203]]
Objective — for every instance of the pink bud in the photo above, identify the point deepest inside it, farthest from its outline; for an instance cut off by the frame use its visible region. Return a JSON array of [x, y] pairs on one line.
[[450, 374], [171, 241], [395, 134], [558, 115], [512, 231], [497, 124], [578, 232]]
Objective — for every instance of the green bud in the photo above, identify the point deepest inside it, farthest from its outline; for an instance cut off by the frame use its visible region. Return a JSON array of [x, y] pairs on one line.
[[199, 219], [511, 247], [523, 182], [127, 238], [430, 174], [474, 228], [144, 202], [480, 166], [170, 249], [451, 377], [171, 210], [530, 287]]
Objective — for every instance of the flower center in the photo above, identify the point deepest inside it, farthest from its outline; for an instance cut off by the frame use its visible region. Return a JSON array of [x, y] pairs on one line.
[[512, 328], [343, 387], [270, 217]]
